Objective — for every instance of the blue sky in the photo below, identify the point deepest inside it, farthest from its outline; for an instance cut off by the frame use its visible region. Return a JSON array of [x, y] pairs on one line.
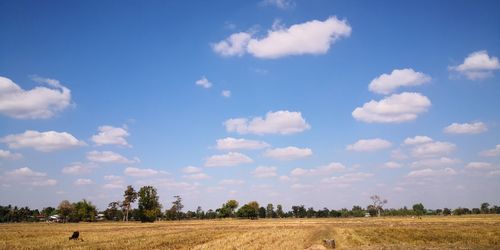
[[97, 95]]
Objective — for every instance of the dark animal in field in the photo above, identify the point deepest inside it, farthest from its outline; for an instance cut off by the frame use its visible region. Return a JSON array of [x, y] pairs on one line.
[[75, 235], [330, 243]]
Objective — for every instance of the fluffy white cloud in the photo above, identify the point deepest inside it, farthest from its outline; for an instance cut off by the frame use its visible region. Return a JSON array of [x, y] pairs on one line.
[[432, 173], [26, 175], [265, 172], [491, 152], [434, 163], [111, 135], [369, 145], [78, 168], [392, 164], [83, 182], [226, 93], [114, 182], [191, 170], [231, 182], [280, 122], [197, 176], [313, 37], [387, 83], [466, 128], [107, 157], [478, 65], [288, 153], [230, 143], [281, 4], [140, 172], [42, 141], [419, 139], [227, 160], [6, 154], [433, 149], [321, 170], [480, 166], [37, 103], [204, 82], [234, 45], [346, 180], [393, 109]]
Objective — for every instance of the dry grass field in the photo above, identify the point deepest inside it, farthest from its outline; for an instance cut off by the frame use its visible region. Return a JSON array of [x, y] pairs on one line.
[[452, 232]]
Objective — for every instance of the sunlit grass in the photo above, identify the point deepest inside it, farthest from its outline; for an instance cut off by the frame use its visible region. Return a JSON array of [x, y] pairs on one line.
[[464, 232]]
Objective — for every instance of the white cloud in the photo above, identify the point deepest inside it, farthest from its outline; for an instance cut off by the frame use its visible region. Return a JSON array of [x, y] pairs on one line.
[[396, 108], [288, 153], [114, 182], [433, 149], [197, 176], [230, 143], [313, 37], [480, 166], [227, 160], [235, 45], [42, 141], [419, 139], [265, 172], [300, 186], [37, 103], [191, 170], [78, 168], [387, 83], [204, 82], [231, 182], [6, 154], [226, 93], [434, 163], [466, 128], [44, 182], [369, 145], [140, 172], [83, 182], [392, 164], [25, 172], [432, 173], [346, 180], [491, 152], [280, 122], [107, 157], [280, 4], [111, 135], [321, 170], [478, 65]]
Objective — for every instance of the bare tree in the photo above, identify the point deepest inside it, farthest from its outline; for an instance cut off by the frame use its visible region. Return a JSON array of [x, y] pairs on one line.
[[130, 196], [378, 203]]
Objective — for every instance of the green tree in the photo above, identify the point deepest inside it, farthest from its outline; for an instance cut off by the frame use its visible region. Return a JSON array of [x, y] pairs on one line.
[[48, 211], [249, 210], [485, 207], [177, 207], [113, 212], [269, 210], [149, 205], [84, 211], [262, 212], [231, 206], [130, 196], [419, 209], [279, 211]]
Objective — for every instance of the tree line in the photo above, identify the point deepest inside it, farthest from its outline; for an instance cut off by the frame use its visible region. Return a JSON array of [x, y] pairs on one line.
[[149, 209]]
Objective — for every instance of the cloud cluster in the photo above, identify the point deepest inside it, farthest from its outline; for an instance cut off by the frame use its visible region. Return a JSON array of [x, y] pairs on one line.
[[140, 172], [204, 82], [477, 66], [265, 172], [466, 128], [280, 122], [108, 157], [230, 143], [369, 145], [288, 153], [432, 173], [109, 135], [78, 168], [27, 176], [38, 103], [312, 37], [280, 4], [387, 83], [491, 152], [321, 170], [42, 141], [6, 154], [227, 160], [396, 108]]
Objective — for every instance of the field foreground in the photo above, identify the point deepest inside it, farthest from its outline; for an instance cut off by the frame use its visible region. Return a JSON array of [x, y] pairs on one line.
[[458, 232]]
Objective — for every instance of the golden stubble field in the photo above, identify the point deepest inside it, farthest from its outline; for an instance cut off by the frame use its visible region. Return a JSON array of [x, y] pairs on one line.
[[451, 232]]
